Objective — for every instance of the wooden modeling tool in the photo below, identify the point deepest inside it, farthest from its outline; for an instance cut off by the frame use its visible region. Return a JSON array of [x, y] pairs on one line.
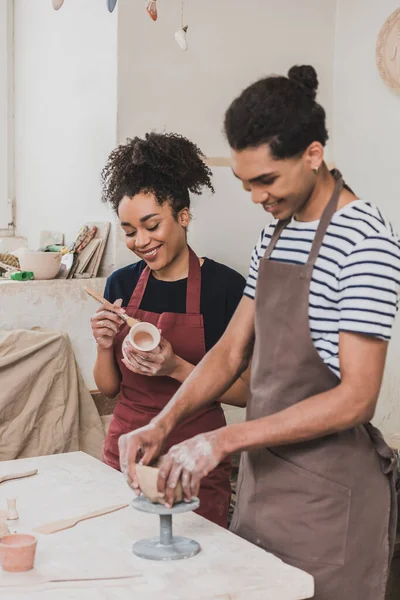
[[111, 307], [12, 513], [11, 476], [68, 523]]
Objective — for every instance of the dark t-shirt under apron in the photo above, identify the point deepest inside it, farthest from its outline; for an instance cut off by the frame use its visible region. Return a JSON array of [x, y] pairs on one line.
[[221, 291]]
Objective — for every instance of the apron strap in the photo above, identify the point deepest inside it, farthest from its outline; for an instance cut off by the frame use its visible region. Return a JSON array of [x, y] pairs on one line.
[[193, 291], [326, 218], [193, 287], [279, 227], [322, 227], [138, 292]]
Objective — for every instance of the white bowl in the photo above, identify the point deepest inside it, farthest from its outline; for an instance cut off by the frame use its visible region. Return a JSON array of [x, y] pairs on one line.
[[144, 337], [45, 265]]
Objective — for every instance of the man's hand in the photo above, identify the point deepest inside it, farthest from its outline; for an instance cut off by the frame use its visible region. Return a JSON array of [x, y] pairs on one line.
[[141, 445], [189, 462]]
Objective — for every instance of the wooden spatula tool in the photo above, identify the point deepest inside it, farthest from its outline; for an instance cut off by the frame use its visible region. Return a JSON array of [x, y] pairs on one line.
[[111, 307], [11, 476], [68, 523]]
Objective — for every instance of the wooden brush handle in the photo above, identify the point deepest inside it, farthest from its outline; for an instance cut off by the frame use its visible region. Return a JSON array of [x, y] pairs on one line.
[[111, 307], [100, 299]]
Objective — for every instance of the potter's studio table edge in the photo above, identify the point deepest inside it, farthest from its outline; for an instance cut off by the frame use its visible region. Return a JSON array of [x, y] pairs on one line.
[[99, 551]]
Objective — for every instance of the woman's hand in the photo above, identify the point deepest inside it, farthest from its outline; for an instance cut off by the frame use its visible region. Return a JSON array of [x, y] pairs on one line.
[[160, 362], [189, 462], [141, 445], [106, 325]]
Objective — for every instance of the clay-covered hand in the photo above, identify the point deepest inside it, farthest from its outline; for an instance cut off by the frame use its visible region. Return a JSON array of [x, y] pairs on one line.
[[160, 362], [141, 445], [106, 324], [189, 462]]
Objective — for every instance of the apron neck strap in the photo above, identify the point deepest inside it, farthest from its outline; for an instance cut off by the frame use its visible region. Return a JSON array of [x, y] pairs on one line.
[[193, 291], [322, 227], [326, 218], [279, 227], [138, 292]]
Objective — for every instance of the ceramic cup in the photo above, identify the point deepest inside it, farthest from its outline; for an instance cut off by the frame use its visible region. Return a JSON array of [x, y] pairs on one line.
[[144, 337], [17, 552]]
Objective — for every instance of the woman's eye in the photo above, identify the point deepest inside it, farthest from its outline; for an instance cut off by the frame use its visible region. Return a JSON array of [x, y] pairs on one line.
[[130, 234], [153, 228]]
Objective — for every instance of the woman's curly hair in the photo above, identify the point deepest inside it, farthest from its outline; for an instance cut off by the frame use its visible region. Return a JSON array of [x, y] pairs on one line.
[[165, 164]]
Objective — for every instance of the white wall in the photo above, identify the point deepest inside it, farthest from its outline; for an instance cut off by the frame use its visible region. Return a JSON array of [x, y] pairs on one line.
[[231, 44], [367, 112], [5, 33], [66, 105], [367, 143]]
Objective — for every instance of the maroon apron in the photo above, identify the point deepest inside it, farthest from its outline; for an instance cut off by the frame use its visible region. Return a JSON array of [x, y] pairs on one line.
[[327, 506], [141, 397]]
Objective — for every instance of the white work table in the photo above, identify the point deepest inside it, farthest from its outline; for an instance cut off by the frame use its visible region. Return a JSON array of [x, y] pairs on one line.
[[94, 559]]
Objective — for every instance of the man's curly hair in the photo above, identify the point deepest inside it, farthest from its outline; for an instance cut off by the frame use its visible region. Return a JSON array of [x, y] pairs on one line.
[[279, 111], [165, 164]]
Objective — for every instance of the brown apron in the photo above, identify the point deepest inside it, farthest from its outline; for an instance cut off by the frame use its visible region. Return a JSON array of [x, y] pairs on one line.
[[141, 397], [327, 506]]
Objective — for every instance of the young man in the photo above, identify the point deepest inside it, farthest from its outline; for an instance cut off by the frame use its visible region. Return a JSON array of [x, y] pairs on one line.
[[316, 486]]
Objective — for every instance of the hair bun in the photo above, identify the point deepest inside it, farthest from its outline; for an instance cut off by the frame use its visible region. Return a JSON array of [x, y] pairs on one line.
[[306, 76]]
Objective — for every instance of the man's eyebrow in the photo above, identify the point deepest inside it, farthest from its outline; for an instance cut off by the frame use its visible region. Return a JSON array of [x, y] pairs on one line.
[[261, 176]]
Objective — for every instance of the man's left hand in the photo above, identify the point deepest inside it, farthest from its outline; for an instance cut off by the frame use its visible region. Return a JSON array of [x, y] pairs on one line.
[[189, 462]]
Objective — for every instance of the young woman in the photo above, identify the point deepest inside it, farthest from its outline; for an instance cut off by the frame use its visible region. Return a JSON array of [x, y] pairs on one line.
[[316, 482], [190, 299]]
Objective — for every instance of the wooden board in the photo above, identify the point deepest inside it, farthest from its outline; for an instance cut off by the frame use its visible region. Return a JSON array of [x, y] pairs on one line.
[[92, 266], [86, 255]]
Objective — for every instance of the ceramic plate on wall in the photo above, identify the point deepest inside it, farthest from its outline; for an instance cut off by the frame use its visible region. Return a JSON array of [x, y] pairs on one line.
[[388, 51]]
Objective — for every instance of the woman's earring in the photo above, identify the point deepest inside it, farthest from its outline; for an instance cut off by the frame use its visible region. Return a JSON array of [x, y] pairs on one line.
[[315, 169]]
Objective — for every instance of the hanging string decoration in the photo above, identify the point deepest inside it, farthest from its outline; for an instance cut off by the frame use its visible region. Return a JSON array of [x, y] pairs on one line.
[[151, 7], [180, 35], [111, 5]]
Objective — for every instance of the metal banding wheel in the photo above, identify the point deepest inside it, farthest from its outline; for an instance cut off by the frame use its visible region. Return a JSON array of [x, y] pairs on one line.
[[166, 546]]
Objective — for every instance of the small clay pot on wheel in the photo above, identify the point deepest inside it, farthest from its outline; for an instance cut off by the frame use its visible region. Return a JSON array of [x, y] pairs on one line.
[[147, 477]]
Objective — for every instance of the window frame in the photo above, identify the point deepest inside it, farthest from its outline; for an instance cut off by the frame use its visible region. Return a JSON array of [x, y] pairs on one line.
[[7, 179]]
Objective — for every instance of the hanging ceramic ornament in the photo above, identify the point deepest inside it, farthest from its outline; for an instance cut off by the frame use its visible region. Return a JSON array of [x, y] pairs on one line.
[[180, 37], [111, 5], [57, 4], [151, 7]]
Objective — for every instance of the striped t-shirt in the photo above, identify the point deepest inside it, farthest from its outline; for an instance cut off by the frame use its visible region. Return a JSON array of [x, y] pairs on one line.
[[356, 278]]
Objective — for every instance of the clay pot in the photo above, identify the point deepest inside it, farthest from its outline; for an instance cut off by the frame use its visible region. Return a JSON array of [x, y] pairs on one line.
[[147, 477], [17, 552], [144, 337], [45, 265]]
